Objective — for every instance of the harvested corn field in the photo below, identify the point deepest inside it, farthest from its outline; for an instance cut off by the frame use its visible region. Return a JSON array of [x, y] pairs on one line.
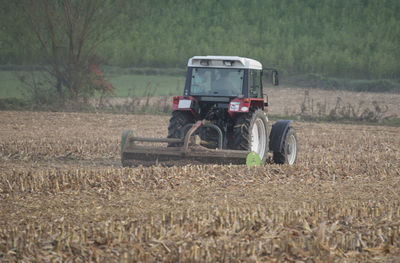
[[65, 197]]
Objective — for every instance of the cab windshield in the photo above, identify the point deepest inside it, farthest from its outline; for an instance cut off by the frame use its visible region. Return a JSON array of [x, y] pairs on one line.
[[216, 82]]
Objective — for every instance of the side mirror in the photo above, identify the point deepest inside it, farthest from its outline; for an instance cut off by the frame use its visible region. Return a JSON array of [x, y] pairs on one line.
[[275, 79]]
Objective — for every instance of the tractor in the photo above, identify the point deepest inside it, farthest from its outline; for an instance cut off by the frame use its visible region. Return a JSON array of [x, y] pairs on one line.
[[220, 118]]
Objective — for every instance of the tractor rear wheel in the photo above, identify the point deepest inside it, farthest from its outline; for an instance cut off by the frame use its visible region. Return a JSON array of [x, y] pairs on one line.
[[178, 120], [251, 133], [288, 154]]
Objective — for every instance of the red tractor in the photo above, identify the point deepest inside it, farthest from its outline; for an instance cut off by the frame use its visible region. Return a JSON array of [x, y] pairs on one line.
[[220, 118]]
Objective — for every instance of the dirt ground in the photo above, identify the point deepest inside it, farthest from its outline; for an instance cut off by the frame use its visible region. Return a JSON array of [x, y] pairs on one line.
[[286, 100], [65, 197]]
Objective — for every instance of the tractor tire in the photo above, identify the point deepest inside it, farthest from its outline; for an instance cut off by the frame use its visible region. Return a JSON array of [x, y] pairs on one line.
[[178, 120], [251, 133], [288, 155]]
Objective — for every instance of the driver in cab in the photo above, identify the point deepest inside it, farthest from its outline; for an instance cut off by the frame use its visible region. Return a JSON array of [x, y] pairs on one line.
[[224, 85]]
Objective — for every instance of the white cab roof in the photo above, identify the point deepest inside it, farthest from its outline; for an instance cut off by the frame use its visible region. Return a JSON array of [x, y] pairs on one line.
[[218, 62]]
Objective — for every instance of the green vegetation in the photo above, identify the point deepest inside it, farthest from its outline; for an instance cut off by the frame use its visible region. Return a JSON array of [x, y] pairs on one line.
[[142, 86], [346, 39], [351, 45], [125, 84], [331, 83], [10, 87]]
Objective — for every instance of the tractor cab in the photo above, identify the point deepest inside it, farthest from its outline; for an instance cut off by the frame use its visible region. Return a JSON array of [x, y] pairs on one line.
[[222, 76], [227, 82]]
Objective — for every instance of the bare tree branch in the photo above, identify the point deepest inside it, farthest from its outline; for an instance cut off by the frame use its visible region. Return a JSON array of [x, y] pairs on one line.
[[68, 32]]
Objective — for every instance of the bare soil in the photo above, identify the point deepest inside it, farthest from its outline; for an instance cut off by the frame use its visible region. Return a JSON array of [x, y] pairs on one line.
[[65, 197], [286, 100]]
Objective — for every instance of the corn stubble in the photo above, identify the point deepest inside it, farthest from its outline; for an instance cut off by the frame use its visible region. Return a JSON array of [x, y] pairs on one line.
[[63, 201]]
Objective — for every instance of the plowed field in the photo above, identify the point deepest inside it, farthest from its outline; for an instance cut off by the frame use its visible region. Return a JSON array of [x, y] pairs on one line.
[[65, 197]]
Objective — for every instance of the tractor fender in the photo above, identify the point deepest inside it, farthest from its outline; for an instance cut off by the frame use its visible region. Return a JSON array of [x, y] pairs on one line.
[[277, 135], [191, 105]]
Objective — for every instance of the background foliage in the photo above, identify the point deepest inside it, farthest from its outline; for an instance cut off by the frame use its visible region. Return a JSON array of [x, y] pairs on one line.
[[350, 39]]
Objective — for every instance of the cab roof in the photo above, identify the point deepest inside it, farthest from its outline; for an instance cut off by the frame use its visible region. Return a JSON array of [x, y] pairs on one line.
[[224, 62]]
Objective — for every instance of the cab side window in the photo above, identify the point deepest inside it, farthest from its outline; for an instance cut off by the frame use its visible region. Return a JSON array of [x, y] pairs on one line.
[[255, 84]]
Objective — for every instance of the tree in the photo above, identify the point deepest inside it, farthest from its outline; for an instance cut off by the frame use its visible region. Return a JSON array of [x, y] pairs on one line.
[[69, 32]]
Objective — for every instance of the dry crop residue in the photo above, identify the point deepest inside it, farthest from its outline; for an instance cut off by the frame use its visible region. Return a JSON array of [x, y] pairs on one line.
[[65, 197]]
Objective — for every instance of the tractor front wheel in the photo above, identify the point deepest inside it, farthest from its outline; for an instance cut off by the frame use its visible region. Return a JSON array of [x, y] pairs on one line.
[[251, 133], [288, 154]]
